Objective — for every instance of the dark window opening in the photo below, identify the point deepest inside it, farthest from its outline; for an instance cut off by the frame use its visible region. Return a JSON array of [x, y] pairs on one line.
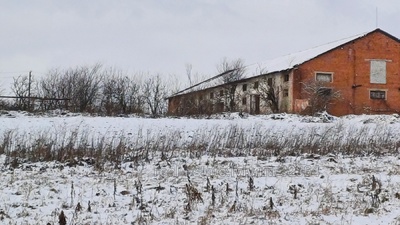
[[269, 82], [221, 93], [211, 95], [244, 101], [285, 93], [286, 78], [244, 87], [256, 85], [376, 94]]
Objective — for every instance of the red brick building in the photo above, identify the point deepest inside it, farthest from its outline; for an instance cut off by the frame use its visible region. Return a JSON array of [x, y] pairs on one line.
[[356, 75]]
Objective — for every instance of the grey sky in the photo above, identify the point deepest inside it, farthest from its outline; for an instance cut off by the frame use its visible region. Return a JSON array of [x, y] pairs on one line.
[[160, 36]]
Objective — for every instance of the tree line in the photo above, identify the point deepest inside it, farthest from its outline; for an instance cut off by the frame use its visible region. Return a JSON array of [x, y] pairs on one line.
[[92, 89]]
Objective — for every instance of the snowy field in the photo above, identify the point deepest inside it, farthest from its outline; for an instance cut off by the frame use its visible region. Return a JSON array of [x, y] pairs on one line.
[[227, 183]]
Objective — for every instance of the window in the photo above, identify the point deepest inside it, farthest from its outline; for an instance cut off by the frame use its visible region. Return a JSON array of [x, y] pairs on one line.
[[244, 101], [201, 97], [377, 94], [221, 93], [285, 92], [244, 87], [378, 72], [211, 95], [286, 78], [256, 85], [323, 77], [269, 82], [324, 91]]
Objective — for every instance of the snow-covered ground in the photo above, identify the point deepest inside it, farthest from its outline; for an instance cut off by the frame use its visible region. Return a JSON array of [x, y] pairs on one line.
[[210, 189]]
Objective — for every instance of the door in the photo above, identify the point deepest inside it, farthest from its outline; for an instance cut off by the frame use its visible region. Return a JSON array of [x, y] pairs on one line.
[[255, 104]]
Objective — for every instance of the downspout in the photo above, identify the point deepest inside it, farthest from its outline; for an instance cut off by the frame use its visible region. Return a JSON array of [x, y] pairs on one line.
[[354, 86]]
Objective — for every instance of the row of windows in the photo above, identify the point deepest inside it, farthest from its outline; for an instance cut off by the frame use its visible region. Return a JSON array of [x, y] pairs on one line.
[[285, 94], [373, 94], [269, 82], [255, 86], [244, 86]]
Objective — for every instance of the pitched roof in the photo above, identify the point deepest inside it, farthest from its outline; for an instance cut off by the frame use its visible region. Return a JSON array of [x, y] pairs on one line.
[[283, 63], [289, 61]]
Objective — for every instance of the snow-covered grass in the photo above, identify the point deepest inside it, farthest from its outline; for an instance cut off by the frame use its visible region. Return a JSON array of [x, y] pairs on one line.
[[270, 169]]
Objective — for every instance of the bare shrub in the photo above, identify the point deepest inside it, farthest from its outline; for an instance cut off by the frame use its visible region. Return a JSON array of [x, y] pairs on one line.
[[154, 93], [81, 84], [319, 95], [121, 94], [22, 90]]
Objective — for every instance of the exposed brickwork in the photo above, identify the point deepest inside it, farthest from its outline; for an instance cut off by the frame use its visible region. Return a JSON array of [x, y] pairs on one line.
[[350, 65]]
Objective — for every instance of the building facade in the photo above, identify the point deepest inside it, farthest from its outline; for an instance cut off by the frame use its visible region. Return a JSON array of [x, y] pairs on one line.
[[357, 75]]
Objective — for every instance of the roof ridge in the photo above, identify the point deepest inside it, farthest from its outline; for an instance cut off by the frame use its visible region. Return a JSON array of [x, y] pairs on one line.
[[320, 45]]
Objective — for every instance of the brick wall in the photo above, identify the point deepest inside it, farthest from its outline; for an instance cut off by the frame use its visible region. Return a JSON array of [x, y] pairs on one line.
[[350, 65]]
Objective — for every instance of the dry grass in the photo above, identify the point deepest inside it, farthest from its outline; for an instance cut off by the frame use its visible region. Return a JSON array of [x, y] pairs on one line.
[[75, 147]]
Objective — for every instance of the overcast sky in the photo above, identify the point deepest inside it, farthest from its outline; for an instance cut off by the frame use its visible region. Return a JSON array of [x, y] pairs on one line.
[[161, 36]]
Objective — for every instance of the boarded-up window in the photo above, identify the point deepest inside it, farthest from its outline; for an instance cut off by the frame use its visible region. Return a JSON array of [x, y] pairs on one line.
[[378, 72], [377, 94], [323, 77]]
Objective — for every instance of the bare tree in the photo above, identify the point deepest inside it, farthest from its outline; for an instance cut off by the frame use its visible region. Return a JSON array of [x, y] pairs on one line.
[[120, 93], [21, 90], [189, 68], [133, 96], [237, 65], [269, 92], [113, 94], [154, 93], [54, 85], [3, 103], [87, 82], [82, 85], [193, 78], [319, 95], [229, 92]]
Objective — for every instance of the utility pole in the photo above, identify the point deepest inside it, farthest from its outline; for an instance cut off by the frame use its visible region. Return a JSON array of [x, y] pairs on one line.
[[29, 90]]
